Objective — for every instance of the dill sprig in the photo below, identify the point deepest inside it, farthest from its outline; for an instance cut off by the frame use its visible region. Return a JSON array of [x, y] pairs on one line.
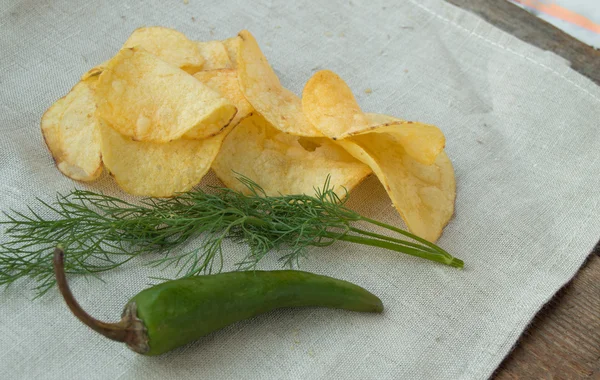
[[102, 232]]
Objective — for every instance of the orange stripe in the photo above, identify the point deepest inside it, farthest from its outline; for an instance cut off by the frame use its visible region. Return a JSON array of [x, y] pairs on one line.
[[555, 10]]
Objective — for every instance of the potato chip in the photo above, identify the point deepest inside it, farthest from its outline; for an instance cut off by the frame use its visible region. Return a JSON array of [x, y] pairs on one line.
[[423, 194], [407, 157], [225, 82], [215, 55], [420, 141], [71, 133], [284, 164], [94, 71], [148, 99], [169, 45], [233, 46], [157, 169], [380, 118], [329, 104], [260, 85]]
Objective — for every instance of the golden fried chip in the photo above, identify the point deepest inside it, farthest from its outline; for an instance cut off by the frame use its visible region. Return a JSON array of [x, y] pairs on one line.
[[94, 71], [422, 142], [148, 99], [380, 118], [407, 157], [233, 46], [423, 194], [169, 45], [215, 55], [329, 104], [157, 169], [260, 85], [225, 82], [284, 164], [71, 133]]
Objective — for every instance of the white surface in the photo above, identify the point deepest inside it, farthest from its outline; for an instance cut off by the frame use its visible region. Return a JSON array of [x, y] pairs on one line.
[[522, 131]]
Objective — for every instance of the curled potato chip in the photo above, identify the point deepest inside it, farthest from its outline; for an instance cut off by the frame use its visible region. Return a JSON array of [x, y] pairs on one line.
[[215, 55], [260, 85], [407, 157], [157, 169], [423, 194], [71, 133], [148, 99], [225, 82], [422, 142], [284, 164], [169, 45], [233, 46], [329, 104]]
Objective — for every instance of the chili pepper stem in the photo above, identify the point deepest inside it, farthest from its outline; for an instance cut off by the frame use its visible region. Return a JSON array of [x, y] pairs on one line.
[[129, 329]]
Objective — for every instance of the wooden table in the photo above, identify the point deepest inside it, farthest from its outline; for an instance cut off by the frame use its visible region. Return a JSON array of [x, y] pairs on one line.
[[563, 341]]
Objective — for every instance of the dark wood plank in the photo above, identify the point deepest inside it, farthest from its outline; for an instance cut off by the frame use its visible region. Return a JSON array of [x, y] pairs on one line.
[[527, 27], [563, 341]]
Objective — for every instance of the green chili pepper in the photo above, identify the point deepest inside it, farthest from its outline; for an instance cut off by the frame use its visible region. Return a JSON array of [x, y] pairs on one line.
[[171, 314]]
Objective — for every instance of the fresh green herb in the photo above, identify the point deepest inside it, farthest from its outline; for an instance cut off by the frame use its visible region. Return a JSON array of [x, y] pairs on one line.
[[103, 232]]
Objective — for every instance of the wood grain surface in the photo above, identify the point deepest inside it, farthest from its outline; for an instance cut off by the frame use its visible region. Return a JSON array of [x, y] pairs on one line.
[[527, 27], [563, 340]]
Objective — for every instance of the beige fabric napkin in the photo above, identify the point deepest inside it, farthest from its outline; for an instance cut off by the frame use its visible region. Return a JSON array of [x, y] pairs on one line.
[[522, 132]]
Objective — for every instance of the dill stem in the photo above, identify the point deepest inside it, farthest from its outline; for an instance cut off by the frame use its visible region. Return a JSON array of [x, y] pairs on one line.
[[408, 234], [394, 240], [428, 255], [257, 222]]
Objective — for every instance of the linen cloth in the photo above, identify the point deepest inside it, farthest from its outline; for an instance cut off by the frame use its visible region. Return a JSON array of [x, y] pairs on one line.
[[522, 132]]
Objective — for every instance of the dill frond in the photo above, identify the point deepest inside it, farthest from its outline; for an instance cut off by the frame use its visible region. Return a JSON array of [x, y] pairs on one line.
[[101, 232]]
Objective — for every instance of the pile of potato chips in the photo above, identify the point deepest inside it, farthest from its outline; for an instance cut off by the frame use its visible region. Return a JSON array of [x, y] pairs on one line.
[[165, 110]]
